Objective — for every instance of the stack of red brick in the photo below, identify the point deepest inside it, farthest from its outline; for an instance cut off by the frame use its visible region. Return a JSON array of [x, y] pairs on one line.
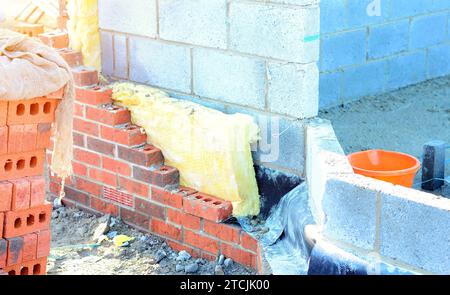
[[117, 172], [25, 130]]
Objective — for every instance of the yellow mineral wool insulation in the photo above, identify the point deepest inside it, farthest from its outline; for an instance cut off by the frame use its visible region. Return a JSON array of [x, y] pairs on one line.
[[210, 149], [83, 30]]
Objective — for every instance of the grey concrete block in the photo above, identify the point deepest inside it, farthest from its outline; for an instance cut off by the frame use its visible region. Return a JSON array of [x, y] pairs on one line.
[[132, 16], [282, 143], [159, 64], [107, 53], [415, 228], [350, 210], [201, 22], [230, 78], [324, 158], [292, 144], [216, 105], [120, 56], [293, 89], [282, 140], [288, 33]]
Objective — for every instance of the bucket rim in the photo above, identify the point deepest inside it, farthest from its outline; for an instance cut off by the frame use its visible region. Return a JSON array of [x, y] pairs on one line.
[[409, 170]]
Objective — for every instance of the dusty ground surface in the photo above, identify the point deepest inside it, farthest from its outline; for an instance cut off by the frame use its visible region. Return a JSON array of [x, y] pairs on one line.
[[75, 250], [401, 120]]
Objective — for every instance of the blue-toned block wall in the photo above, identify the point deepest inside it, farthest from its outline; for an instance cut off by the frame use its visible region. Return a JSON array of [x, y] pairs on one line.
[[254, 57], [370, 47]]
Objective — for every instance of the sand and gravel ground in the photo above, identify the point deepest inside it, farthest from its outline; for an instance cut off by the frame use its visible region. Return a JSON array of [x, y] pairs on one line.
[[75, 250]]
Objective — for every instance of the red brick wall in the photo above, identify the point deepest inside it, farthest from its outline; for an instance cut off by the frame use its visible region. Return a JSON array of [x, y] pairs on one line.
[[117, 172]]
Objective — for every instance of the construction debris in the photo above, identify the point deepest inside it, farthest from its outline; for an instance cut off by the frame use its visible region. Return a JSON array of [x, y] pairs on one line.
[[122, 240], [191, 268], [219, 270], [72, 251], [160, 255], [102, 228], [220, 260], [183, 256], [228, 262]]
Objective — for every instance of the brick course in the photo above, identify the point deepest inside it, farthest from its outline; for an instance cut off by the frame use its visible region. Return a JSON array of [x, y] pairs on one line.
[[117, 172]]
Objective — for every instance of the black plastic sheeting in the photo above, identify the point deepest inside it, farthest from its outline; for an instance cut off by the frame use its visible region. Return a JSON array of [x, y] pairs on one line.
[[327, 259], [284, 246], [272, 186], [288, 253]]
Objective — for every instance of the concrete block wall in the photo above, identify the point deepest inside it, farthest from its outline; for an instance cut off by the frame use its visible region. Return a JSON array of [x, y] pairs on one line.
[[374, 46], [405, 227], [374, 219], [324, 159], [254, 57]]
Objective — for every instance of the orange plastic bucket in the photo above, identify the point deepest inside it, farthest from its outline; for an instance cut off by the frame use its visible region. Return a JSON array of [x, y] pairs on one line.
[[394, 167]]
